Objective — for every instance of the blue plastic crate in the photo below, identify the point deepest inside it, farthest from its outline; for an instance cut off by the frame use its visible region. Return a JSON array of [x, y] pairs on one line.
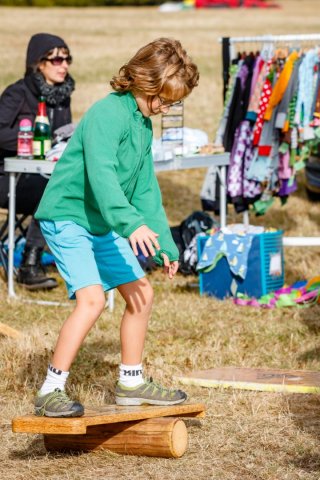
[[261, 278]]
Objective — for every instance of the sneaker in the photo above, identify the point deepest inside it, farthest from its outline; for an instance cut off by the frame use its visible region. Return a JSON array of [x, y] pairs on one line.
[[57, 404], [149, 393]]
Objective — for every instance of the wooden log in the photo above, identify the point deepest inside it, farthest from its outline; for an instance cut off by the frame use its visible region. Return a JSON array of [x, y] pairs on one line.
[[9, 331], [154, 437]]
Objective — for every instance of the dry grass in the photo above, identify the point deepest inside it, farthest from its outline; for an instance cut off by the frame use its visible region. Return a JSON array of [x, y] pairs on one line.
[[246, 435]]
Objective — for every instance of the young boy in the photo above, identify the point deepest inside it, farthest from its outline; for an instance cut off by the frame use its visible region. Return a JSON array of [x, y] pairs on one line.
[[104, 191]]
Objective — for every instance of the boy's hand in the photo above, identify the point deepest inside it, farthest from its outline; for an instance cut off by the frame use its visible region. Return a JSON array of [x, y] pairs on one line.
[[170, 268], [146, 239]]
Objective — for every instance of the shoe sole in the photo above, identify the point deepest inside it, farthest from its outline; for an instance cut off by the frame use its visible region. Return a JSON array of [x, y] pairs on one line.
[[38, 286], [40, 413], [127, 402]]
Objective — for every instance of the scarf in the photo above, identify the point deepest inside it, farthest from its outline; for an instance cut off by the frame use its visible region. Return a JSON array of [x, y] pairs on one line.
[[55, 95]]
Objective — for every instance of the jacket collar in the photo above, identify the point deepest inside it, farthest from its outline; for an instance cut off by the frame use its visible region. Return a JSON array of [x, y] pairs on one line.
[[132, 105]]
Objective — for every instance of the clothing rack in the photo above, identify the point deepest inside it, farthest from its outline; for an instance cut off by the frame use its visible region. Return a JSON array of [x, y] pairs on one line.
[[229, 53], [271, 39]]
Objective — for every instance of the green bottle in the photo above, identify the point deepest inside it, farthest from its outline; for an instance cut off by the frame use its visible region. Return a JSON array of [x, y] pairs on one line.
[[42, 132]]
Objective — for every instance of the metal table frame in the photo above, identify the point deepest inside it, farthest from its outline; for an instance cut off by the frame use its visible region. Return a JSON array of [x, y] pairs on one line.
[[15, 166]]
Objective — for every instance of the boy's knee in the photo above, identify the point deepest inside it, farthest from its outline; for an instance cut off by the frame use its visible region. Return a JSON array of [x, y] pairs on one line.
[[140, 298], [94, 301]]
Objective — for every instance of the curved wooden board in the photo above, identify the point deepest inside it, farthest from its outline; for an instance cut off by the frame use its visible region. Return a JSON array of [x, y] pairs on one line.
[[101, 416]]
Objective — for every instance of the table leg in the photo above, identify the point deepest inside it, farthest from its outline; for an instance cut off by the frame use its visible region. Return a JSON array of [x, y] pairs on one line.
[[223, 197], [111, 300], [11, 232]]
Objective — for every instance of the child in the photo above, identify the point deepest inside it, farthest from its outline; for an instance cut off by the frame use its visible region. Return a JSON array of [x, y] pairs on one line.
[[104, 191]]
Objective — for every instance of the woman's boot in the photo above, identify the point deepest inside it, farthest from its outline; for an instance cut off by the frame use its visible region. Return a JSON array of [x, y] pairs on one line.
[[31, 273]]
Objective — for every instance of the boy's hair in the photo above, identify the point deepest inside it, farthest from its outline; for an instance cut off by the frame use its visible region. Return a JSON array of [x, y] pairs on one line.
[[161, 66]]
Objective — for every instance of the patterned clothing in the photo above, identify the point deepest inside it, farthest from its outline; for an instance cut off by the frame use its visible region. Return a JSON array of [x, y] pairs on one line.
[[235, 172], [234, 247], [265, 96], [233, 71], [304, 101], [281, 85], [260, 70], [239, 185]]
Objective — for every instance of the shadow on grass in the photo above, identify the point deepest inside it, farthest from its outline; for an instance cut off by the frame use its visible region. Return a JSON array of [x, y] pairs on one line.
[[305, 411], [311, 318], [191, 285], [315, 218], [35, 450], [310, 463]]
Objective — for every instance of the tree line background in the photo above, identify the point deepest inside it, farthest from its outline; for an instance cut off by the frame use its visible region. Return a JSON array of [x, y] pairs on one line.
[[79, 3]]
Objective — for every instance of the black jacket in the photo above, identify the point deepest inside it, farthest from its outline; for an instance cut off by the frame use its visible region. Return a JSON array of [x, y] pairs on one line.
[[18, 101]]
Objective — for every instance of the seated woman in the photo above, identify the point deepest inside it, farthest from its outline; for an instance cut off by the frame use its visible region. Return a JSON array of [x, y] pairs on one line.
[[47, 65]]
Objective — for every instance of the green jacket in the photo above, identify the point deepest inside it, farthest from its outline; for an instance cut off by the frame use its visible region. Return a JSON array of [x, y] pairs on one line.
[[105, 179]]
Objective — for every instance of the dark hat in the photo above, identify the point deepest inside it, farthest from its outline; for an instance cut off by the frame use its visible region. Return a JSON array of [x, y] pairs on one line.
[[40, 44]]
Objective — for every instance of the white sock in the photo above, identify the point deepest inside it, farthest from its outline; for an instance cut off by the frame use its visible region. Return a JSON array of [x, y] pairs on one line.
[[55, 379], [130, 375]]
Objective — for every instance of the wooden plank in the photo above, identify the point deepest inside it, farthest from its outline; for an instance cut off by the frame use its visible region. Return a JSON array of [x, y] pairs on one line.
[[9, 331], [155, 437], [263, 379], [101, 416]]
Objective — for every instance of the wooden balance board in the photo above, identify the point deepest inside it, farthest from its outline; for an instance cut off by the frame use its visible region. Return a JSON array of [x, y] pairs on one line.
[[154, 431], [263, 379]]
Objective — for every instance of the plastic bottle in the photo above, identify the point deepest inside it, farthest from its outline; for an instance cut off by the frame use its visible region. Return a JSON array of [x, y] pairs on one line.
[[25, 139], [42, 132]]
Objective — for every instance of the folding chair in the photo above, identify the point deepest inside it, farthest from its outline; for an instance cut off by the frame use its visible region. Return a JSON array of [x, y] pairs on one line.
[[20, 232]]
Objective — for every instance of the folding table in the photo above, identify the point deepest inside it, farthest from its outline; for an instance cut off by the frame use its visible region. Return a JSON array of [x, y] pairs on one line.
[[15, 166]]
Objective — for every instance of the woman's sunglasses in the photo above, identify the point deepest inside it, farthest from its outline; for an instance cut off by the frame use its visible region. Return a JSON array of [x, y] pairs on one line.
[[57, 61]]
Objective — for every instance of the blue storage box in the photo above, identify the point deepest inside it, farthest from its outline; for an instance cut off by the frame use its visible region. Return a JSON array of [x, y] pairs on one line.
[[265, 269]]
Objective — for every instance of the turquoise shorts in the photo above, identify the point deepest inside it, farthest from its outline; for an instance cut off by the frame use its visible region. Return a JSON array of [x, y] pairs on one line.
[[84, 259]]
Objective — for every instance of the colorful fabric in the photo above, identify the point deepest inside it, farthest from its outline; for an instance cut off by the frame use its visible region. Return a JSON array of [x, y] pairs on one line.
[[242, 155], [234, 247], [284, 170], [251, 188], [303, 113], [287, 186], [258, 80], [283, 107], [300, 294], [259, 169], [281, 84], [316, 100], [264, 100], [235, 177], [233, 71]]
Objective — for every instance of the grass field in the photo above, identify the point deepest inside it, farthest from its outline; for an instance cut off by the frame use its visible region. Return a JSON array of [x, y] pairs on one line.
[[246, 435]]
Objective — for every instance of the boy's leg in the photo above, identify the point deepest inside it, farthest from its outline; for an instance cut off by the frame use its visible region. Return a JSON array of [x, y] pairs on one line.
[[139, 297], [90, 302], [51, 400]]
